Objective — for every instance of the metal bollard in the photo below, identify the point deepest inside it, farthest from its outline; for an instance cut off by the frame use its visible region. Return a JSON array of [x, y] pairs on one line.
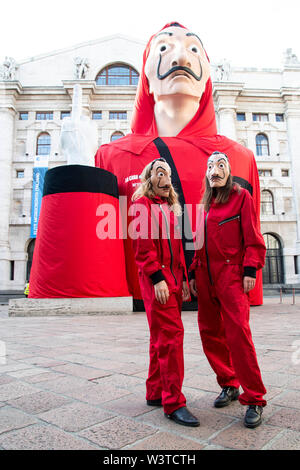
[[294, 299], [280, 295]]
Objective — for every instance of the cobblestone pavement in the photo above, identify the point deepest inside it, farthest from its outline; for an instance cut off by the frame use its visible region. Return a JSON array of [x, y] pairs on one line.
[[79, 383]]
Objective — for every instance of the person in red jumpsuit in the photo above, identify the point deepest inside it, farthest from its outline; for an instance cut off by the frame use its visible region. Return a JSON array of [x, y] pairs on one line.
[[223, 272], [161, 267], [174, 118]]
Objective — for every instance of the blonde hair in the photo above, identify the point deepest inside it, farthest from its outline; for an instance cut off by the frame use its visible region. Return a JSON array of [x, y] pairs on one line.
[[146, 189]]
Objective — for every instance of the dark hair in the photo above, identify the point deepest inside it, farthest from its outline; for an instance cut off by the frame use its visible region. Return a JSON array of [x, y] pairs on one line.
[[176, 24]]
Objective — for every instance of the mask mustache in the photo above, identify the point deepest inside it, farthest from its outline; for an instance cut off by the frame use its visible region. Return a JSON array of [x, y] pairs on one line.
[[177, 68], [216, 178]]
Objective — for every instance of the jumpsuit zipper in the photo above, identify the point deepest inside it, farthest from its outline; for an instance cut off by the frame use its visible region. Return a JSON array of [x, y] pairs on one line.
[[206, 250], [229, 219], [169, 242]]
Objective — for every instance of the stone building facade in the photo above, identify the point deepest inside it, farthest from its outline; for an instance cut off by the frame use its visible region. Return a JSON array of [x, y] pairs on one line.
[[258, 108]]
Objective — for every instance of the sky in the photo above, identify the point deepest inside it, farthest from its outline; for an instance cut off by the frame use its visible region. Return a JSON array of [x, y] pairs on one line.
[[247, 34]]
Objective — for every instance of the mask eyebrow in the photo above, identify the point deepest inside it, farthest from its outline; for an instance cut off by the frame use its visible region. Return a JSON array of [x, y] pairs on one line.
[[219, 159], [163, 32], [193, 34], [161, 169]]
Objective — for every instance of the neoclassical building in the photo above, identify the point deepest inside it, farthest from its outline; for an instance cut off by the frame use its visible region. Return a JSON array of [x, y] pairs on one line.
[[258, 108]]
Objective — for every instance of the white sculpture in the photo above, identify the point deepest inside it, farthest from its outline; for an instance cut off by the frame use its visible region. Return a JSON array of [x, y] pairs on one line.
[[290, 58], [223, 71], [81, 67], [79, 134], [9, 68]]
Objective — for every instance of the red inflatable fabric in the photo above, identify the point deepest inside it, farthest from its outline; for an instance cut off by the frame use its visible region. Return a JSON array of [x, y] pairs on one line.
[[70, 260], [187, 154]]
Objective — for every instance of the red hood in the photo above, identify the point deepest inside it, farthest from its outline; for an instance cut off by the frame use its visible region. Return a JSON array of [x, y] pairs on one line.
[[143, 122]]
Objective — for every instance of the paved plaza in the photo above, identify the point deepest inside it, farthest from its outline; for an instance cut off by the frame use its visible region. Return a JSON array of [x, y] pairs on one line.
[[79, 383]]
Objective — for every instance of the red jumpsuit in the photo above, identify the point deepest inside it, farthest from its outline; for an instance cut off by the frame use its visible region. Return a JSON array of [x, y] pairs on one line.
[[233, 248], [160, 257]]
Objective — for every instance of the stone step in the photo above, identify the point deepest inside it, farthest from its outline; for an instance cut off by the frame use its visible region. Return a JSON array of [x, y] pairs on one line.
[[70, 306]]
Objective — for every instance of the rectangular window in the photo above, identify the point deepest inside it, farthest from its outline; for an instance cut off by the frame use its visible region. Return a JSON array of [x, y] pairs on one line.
[[44, 116], [64, 114], [20, 173], [296, 264], [97, 115], [279, 117], [23, 116], [284, 172], [260, 116], [117, 114], [240, 116], [265, 172], [12, 270]]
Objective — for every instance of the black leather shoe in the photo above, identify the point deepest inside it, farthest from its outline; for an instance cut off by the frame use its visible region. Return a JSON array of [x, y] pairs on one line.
[[253, 416], [227, 395], [154, 402], [183, 416]]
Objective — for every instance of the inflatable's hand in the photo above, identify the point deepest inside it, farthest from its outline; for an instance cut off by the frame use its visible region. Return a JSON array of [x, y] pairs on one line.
[[79, 134]]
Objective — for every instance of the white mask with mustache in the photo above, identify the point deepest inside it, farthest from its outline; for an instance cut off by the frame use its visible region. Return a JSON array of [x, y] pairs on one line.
[[161, 179], [218, 170], [177, 64]]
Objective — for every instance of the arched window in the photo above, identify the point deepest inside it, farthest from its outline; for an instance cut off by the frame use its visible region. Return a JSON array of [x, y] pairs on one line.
[[267, 202], [30, 251], [43, 144], [116, 135], [117, 74], [262, 145], [273, 269]]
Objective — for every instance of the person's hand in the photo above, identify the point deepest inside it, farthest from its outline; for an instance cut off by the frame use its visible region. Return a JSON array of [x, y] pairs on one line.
[[248, 283], [185, 292], [193, 287], [161, 292], [79, 134]]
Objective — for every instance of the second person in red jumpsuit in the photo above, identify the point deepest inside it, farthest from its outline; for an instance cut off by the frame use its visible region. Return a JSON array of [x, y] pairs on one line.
[[224, 271]]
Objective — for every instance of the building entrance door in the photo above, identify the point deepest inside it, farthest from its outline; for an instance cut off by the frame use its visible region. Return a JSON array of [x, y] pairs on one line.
[[273, 269]]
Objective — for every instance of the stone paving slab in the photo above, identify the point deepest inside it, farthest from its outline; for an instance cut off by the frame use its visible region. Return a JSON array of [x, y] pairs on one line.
[[166, 441], [75, 416], [78, 382], [117, 432]]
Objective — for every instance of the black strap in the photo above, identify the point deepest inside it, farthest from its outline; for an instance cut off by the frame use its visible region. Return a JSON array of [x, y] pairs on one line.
[[244, 183], [187, 236]]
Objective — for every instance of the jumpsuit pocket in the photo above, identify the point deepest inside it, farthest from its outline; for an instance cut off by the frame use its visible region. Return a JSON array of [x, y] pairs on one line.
[[230, 234]]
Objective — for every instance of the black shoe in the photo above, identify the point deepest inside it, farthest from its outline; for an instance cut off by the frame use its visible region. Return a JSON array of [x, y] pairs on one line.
[[154, 402], [227, 395], [183, 416], [253, 416]]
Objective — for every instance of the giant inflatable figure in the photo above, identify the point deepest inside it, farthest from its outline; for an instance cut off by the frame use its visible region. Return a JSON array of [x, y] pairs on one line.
[[173, 118]]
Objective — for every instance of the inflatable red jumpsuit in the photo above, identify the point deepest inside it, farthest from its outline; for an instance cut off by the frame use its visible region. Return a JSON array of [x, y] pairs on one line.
[[233, 248], [162, 258], [186, 154]]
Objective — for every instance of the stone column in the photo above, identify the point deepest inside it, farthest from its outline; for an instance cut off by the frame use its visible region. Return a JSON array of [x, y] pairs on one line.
[[225, 95], [7, 139], [291, 97]]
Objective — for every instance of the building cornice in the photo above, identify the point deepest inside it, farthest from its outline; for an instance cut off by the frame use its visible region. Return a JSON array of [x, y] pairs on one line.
[[11, 86]]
